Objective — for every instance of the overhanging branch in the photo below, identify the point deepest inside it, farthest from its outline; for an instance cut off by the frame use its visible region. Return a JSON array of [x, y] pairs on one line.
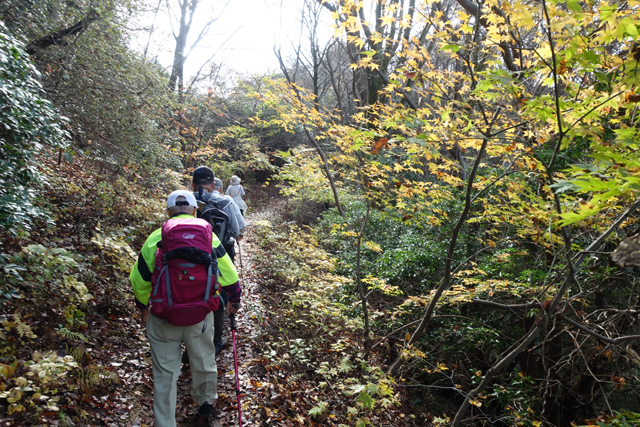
[[60, 37]]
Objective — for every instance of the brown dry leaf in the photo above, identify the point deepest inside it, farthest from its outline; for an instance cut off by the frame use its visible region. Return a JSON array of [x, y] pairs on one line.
[[563, 67], [633, 356], [633, 97], [628, 252], [379, 145]]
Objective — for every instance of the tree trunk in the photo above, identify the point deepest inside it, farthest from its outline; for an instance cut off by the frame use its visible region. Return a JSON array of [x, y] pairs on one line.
[[187, 9], [361, 290]]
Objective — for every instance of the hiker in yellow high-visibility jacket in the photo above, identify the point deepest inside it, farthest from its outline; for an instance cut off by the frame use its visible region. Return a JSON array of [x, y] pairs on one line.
[[165, 339]]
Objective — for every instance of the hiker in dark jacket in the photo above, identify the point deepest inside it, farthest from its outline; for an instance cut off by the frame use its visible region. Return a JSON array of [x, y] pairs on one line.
[[203, 176], [165, 339]]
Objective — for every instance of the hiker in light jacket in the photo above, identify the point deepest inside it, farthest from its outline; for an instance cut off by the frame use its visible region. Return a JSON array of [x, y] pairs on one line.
[[166, 339], [236, 192], [217, 189]]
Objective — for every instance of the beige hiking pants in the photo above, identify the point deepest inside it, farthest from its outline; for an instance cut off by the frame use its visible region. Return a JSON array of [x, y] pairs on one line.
[[165, 340]]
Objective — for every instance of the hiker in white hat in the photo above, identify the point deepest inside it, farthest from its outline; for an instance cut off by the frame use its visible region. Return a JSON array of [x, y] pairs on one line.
[[167, 330], [236, 192]]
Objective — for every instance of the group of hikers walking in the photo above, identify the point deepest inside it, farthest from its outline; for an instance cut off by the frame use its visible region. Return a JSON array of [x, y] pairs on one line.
[[183, 282]]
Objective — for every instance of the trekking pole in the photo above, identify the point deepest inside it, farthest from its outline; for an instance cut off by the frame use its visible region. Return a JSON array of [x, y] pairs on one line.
[[235, 361], [241, 267]]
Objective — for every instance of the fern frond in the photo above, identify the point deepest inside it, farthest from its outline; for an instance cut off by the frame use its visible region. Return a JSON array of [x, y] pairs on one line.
[[65, 333], [75, 351], [96, 376], [23, 329]]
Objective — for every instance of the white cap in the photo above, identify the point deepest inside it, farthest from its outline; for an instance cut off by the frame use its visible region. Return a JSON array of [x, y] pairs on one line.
[[189, 197]]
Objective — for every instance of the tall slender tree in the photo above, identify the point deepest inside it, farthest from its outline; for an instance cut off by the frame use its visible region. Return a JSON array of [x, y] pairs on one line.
[[182, 17]]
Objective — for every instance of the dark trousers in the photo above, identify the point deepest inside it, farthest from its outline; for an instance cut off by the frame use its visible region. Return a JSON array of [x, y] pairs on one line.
[[218, 317]]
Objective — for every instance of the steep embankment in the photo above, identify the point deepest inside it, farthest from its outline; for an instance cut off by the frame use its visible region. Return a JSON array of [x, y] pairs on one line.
[[70, 348]]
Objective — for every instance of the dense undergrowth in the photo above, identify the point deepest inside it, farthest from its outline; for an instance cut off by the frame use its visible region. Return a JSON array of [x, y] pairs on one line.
[[67, 319], [312, 350], [402, 263], [66, 312], [65, 307]]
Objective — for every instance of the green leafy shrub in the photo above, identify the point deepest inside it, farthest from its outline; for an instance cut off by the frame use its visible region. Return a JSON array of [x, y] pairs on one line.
[[46, 268], [52, 269], [401, 253], [46, 372], [117, 250], [11, 271], [618, 419], [511, 264], [29, 123]]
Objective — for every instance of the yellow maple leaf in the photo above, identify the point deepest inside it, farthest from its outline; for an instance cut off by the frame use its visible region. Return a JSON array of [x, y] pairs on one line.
[[387, 20], [376, 38]]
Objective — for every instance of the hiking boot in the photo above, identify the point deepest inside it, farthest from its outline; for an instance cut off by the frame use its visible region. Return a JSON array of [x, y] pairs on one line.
[[205, 412], [220, 345]]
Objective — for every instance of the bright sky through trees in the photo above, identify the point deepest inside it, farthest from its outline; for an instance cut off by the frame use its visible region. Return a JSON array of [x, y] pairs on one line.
[[243, 37]]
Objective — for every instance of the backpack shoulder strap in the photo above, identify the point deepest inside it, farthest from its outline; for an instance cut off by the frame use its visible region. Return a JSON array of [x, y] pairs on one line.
[[219, 252], [224, 202], [217, 212]]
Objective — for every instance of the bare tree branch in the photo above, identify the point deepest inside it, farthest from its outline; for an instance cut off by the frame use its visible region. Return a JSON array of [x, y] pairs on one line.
[[60, 37], [597, 335], [311, 138]]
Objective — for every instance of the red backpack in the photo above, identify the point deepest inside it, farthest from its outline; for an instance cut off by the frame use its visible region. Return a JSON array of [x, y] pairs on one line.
[[184, 280]]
